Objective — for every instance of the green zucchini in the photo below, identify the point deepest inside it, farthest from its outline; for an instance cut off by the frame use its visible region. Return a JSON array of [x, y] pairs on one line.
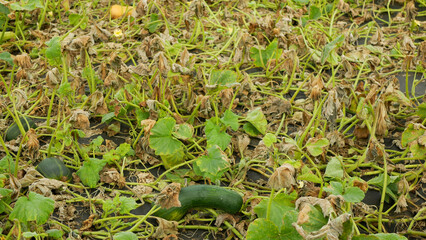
[[203, 196], [54, 168], [13, 131]]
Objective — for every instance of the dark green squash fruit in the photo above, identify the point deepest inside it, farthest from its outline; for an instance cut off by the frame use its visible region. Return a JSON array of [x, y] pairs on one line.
[[203, 196], [13, 131], [54, 168]]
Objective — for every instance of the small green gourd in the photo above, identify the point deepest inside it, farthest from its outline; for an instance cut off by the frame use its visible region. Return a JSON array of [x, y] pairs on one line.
[[54, 168], [13, 131]]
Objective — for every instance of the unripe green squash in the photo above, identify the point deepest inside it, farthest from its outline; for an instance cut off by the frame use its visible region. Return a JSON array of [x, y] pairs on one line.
[[13, 131], [203, 196], [54, 168]]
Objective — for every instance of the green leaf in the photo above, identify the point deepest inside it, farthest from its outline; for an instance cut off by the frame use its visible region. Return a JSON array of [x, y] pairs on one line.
[[154, 23], [74, 18], [230, 119], [6, 56], [26, 5], [171, 160], [127, 205], [257, 119], [281, 204], [124, 150], [29, 234], [223, 78], [216, 136], [334, 169], [378, 181], [183, 131], [389, 236], [89, 172], [7, 165], [353, 194], [65, 89], [418, 151], [379, 236], [316, 219], [55, 233], [3, 9], [421, 109], [335, 188], [125, 236], [6, 198], [307, 175], [161, 139], [316, 146], [301, 2], [141, 115], [107, 117], [250, 129], [287, 229], [330, 47], [269, 139], [212, 165], [262, 228], [314, 12], [392, 187], [411, 134], [261, 57], [35, 207], [53, 52]]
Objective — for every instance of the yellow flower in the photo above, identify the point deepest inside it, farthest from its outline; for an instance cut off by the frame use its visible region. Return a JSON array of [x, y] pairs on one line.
[[118, 33]]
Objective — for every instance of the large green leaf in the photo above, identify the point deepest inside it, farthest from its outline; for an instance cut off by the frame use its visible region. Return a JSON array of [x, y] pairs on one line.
[[262, 228], [212, 165], [289, 232], [35, 207], [215, 135], [161, 139], [89, 172], [261, 57], [279, 206], [257, 119]]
